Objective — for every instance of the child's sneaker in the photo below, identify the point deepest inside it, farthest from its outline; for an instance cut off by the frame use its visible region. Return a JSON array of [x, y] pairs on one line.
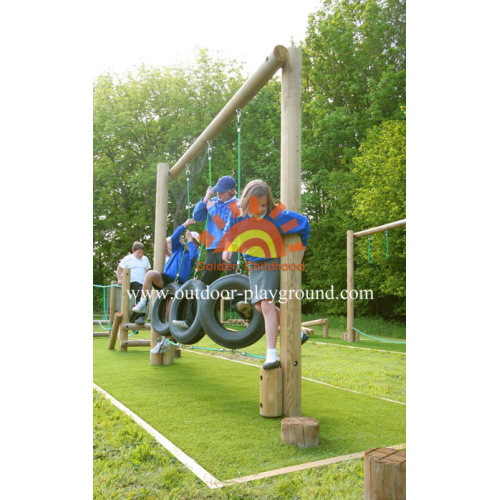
[[244, 309], [268, 365], [164, 346], [157, 347], [303, 337], [181, 325], [139, 320], [141, 306]]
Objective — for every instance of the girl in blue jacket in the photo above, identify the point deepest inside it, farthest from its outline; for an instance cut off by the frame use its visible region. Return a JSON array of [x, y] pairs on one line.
[[260, 215]]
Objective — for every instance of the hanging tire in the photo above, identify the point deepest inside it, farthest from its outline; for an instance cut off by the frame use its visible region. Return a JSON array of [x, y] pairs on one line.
[[178, 311], [159, 322], [210, 314]]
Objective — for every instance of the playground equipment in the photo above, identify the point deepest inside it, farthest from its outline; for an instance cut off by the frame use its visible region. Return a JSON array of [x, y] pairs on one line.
[[352, 334], [290, 60]]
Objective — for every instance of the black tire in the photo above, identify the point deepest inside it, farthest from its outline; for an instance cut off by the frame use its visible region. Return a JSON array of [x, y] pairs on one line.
[[210, 315], [158, 321], [178, 311]]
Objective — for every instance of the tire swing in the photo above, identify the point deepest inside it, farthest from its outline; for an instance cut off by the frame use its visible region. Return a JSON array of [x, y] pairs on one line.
[[192, 288], [211, 324], [159, 322]]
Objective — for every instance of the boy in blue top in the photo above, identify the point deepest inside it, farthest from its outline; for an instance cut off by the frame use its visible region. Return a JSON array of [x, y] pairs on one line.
[[187, 257], [218, 211]]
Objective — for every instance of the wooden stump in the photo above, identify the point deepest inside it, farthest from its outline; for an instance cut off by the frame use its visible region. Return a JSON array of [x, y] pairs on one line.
[[271, 396], [177, 352], [300, 431], [385, 474]]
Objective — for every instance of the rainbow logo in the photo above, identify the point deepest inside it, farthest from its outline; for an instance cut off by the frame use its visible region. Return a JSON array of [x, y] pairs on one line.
[[253, 236]]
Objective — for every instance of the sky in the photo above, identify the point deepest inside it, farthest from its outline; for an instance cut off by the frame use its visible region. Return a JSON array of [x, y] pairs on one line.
[[165, 32]]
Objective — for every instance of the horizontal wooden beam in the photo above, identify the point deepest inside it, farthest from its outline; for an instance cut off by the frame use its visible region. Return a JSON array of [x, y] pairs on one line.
[[135, 326], [378, 229], [314, 322], [136, 343], [101, 334], [245, 94]]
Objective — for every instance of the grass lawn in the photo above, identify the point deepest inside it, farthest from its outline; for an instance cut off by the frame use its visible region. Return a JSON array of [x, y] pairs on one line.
[[208, 407]]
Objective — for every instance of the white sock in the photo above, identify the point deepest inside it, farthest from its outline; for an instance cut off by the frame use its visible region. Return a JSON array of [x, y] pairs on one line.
[[271, 355]]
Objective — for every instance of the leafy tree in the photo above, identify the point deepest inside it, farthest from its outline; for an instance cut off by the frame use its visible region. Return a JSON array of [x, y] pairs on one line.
[[353, 79]]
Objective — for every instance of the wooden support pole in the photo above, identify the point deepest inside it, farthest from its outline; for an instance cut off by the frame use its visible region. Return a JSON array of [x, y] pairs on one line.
[[101, 334], [325, 329], [385, 474], [349, 336], [290, 348], [245, 94], [135, 326], [125, 306], [112, 301], [159, 253], [114, 332], [221, 311]]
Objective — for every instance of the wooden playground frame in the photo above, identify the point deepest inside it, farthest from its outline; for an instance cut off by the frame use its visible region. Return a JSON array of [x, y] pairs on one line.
[[352, 335]]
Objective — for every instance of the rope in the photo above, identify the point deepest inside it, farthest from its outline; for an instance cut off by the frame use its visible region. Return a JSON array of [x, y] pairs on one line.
[[381, 340], [238, 129], [386, 245], [232, 351]]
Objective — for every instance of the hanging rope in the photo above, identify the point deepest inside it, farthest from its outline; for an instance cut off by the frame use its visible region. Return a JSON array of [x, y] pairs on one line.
[[386, 245], [238, 129], [104, 305]]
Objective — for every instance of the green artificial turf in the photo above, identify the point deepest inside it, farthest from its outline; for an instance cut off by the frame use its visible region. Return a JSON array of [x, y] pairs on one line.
[[209, 407]]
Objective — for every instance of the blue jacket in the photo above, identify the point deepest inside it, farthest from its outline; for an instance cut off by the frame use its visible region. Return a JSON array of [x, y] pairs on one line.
[[220, 208], [188, 262], [294, 224]]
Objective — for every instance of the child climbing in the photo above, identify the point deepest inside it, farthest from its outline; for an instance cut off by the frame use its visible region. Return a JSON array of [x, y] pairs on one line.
[[257, 203]]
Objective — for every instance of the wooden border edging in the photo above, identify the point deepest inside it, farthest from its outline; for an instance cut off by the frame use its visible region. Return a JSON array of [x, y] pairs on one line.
[[196, 469]]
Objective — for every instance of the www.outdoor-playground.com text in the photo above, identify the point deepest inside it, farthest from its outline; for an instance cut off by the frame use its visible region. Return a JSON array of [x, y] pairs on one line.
[[281, 296]]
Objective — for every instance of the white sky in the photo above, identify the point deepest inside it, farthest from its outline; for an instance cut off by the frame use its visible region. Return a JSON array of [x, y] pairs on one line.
[[160, 33]]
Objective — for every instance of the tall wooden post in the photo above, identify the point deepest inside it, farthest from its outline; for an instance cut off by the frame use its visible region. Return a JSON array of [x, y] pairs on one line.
[[159, 251], [125, 306], [112, 301], [290, 348], [350, 337]]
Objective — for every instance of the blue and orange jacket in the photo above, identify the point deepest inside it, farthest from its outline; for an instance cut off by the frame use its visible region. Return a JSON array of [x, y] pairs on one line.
[[264, 235], [215, 226], [188, 262]]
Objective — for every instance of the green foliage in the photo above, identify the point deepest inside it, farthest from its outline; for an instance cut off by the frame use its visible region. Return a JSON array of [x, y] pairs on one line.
[[354, 79], [352, 148]]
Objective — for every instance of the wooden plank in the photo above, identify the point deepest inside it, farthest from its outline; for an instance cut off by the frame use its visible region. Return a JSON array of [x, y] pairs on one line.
[[137, 343], [135, 326], [314, 322]]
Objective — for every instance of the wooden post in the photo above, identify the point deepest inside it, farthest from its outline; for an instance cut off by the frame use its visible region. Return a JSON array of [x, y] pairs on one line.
[[114, 331], [221, 311], [159, 253], [125, 306], [349, 336], [112, 301], [271, 398], [300, 431], [325, 329], [385, 474], [290, 348]]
